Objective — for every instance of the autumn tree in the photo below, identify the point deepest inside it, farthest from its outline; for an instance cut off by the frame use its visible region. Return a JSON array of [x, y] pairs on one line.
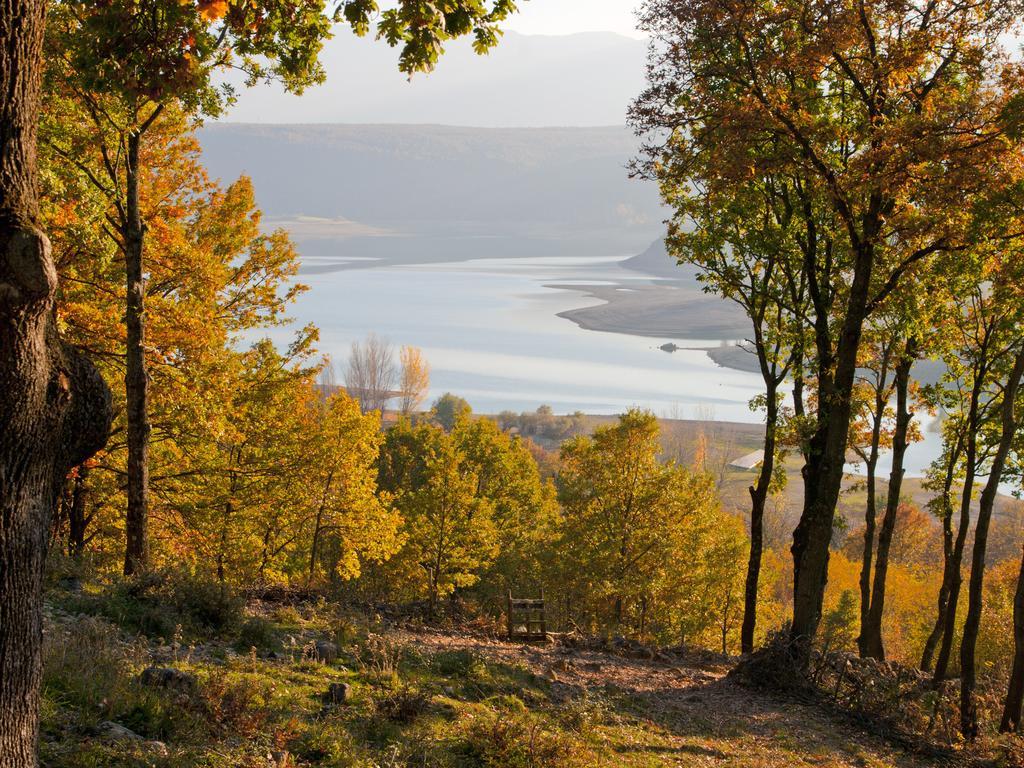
[[213, 278], [1004, 275], [983, 339], [628, 518], [125, 62], [899, 333], [755, 267], [287, 491], [414, 379], [449, 528], [54, 407], [524, 508], [888, 119]]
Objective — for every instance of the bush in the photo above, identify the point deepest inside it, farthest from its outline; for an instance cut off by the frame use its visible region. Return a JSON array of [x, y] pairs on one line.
[[257, 633], [403, 705], [327, 746], [165, 605], [380, 657], [508, 741], [239, 706], [461, 663]]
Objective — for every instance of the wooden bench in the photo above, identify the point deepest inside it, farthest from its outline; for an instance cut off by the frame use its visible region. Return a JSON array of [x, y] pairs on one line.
[[526, 622]]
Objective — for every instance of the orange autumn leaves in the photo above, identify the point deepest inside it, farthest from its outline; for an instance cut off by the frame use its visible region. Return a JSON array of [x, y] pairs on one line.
[[210, 10]]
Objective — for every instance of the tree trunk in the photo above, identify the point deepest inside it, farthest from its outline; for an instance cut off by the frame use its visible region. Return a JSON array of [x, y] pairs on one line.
[[758, 497], [968, 644], [870, 513], [136, 381], [823, 471], [54, 407], [725, 622], [870, 640], [956, 560], [318, 528], [225, 526], [78, 520], [1015, 693], [935, 635]]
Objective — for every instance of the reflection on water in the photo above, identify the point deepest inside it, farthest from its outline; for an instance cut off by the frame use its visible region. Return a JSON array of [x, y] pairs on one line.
[[490, 331]]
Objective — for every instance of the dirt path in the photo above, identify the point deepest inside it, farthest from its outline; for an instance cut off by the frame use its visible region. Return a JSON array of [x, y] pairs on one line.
[[694, 715]]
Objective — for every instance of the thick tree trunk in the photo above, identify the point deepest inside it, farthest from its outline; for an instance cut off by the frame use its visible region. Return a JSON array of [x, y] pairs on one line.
[[870, 641], [823, 471], [1015, 692], [968, 644], [54, 407], [758, 497], [136, 380]]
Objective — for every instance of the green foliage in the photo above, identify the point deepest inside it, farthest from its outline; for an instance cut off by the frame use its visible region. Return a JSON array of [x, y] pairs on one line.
[[461, 663], [258, 633], [475, 509], [630, 520], [449, 409], [166, 605], [421, 29], [509, 740], [839, 625]]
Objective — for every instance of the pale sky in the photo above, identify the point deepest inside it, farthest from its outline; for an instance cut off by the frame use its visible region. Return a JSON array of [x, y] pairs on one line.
[[563, 17]]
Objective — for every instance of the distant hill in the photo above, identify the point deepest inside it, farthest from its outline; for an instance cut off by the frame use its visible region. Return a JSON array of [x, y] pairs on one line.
[[528, 80], [419, 191]]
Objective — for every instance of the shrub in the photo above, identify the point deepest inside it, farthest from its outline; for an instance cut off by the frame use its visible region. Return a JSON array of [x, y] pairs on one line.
[[325, 745], [403, 705], [380, 657], [461, 663], [507, 741], [239, 706], [506, 701], [257, 633], [165, 604]]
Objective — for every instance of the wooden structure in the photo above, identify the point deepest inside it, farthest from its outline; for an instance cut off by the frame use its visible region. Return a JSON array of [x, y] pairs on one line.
[[526, 622]]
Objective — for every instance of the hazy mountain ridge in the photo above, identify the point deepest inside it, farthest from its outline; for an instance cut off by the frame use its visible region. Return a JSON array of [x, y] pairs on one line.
[[548, 183], [527, 80]]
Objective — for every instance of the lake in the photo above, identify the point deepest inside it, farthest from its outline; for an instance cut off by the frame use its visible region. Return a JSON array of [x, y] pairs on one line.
[[490, 330]]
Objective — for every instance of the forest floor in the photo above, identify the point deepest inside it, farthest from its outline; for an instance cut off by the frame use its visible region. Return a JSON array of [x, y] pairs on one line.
[[307, 686]]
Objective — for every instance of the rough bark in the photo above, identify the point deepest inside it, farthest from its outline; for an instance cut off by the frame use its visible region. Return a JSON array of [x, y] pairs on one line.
[[136, 379], [870, 641], [1010, 722], [54, 407], [968, 644], [823, 471]]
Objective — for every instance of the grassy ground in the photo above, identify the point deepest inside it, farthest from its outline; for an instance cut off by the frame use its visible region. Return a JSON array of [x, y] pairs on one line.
[[416, 697]]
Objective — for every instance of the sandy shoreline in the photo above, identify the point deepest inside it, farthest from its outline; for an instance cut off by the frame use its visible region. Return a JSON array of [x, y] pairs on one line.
[[673, 307]]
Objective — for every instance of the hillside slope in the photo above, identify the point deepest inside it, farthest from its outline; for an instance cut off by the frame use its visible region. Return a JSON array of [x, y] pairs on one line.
[[301, 688]]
